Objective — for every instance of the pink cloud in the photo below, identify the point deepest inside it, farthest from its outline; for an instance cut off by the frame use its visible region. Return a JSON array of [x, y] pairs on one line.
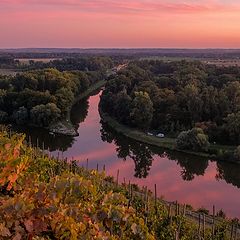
[[109, 23], [111, 6]]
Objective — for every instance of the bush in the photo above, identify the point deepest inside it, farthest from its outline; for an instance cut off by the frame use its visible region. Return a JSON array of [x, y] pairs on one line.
[[3, 117], [43, 115], [194, 139], [21, 116], [237, 154]]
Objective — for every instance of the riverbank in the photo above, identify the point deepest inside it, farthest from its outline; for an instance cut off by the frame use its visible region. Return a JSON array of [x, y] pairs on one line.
[[64, 126], [167, 143]]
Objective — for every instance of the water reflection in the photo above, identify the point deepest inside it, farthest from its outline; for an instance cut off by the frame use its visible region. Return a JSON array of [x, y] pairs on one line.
[[55, 142], [229, 172], [186, 178], [143, 155], [79, 112], [192, 166], [140, 153]]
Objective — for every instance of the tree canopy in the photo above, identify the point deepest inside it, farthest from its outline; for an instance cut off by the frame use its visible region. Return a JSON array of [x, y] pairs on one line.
[[182, 95], [44, 95]]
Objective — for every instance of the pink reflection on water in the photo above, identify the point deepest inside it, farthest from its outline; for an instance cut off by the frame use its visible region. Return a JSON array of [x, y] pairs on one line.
[[201, 191], [98, 155]]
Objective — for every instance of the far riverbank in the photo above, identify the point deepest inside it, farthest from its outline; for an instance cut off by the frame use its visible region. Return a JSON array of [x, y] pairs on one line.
[[167, 143]]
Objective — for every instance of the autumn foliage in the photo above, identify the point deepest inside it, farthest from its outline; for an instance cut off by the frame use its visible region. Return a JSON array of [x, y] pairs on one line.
[[46, 198]]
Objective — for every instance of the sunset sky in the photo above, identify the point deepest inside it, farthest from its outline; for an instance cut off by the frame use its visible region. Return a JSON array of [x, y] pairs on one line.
[[120, 24]]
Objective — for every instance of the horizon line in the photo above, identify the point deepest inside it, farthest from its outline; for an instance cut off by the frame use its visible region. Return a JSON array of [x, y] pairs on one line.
[[121, 48]]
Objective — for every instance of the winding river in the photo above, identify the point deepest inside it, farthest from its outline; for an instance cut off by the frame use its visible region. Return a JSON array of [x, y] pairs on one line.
[[188, 179]]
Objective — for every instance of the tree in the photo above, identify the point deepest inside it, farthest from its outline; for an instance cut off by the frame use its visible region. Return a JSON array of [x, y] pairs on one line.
[[2, 96], [64, 98], [44, 115], [21, 116], [122, 107], [232, 126], [25, 80], [194, 139], [232, 90], [193, 101], [3, 116], [141, 110], [237, 153]]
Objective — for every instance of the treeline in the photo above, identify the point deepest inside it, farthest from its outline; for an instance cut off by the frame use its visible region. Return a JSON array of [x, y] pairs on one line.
[[7, 62], [64, 64], [83, 64], [40, 97], [126, 53], [172, 97]]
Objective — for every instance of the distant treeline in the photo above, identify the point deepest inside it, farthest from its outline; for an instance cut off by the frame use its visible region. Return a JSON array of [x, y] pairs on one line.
[[119, 53], [65, 64], [177, 96]]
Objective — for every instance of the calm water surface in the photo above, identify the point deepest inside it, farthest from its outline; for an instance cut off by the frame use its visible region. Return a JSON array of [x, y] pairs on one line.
[[181, 177]]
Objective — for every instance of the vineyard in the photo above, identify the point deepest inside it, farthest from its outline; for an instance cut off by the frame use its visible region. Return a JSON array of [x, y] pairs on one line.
[[42, 197]]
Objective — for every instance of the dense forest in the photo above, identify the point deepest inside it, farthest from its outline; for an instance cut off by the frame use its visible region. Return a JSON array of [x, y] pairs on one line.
[[42, 197], [172, 97], [42, 96]]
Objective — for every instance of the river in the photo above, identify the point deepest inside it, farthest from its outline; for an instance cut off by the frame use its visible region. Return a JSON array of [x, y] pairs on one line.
[[185, 178]]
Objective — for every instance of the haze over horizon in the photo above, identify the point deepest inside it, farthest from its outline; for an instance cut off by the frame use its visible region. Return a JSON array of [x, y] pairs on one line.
[[120, 24]]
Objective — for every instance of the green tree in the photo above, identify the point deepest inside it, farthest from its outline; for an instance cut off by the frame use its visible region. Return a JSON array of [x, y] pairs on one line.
[[237, 153], [64, 98], [194, 139], [21, 116], [44, 115], [141, 110], [232, 126], [2, 96], [3, 116], [25, 80], [232, 90], [122, 107], [193, 101]]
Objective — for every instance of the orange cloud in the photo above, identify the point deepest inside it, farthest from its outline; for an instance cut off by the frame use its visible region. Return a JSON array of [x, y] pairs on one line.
[[140, 6], [109, 23]]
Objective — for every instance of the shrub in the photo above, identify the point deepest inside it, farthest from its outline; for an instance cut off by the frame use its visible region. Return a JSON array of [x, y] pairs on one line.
[[194, 139]]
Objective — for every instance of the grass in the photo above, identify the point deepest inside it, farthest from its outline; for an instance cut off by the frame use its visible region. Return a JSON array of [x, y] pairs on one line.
[[168, 143]]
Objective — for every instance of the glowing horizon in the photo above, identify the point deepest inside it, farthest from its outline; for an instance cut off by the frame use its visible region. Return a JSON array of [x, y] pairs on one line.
[[124, 24]]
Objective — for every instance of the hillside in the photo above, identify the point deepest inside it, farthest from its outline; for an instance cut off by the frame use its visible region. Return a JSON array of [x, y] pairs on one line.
[[53, 199]]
